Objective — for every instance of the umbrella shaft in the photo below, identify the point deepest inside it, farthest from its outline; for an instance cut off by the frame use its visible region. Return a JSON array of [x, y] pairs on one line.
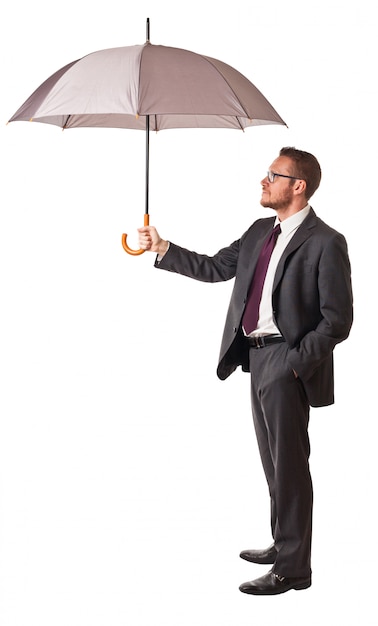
[[147, 162], [147, 137]]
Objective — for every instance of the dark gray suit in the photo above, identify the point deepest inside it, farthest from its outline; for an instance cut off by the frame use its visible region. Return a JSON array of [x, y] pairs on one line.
[[312, 308]]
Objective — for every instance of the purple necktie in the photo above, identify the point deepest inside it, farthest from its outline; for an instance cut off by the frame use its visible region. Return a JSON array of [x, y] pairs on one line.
[[251, 312]]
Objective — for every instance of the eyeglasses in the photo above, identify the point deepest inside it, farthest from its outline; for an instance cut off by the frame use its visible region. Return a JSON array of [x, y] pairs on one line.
[[272, 175]]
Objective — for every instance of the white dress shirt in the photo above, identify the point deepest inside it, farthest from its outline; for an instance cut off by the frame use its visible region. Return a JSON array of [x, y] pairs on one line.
[[265, 325]]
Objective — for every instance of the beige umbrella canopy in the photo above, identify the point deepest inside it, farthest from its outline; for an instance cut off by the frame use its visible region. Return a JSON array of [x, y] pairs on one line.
[[148, 87]]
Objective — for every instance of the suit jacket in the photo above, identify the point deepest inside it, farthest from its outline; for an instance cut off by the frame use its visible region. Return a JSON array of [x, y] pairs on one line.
[[312, 297]]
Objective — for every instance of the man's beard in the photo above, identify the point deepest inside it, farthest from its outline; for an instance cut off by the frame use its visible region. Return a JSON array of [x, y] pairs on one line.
[[280, 203]]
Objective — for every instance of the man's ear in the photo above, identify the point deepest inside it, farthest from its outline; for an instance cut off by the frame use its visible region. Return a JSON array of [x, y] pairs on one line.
[[300, 186]]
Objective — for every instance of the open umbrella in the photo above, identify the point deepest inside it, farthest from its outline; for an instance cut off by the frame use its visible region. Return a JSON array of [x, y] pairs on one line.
[[148, 87]]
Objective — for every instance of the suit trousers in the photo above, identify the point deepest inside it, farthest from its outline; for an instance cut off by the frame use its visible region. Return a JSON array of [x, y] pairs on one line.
[[281, 415]]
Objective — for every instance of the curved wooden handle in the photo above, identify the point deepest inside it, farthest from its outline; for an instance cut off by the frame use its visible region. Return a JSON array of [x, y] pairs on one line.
[[124, 240]]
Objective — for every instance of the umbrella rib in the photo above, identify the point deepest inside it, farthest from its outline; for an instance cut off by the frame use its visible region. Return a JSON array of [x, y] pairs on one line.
[[225, 79], [239, 122]]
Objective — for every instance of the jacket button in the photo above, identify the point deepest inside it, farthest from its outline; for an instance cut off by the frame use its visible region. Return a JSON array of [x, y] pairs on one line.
[[235, 329]]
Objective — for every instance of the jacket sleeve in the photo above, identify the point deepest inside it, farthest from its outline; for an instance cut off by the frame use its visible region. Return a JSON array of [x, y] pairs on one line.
[[210, 269], [336, 308]]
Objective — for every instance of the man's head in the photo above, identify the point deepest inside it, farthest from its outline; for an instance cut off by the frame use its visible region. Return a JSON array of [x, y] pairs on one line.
[[291, 181], [304, 166]]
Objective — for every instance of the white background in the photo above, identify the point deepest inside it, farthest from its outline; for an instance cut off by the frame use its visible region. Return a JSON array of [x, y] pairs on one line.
[[129, 474]]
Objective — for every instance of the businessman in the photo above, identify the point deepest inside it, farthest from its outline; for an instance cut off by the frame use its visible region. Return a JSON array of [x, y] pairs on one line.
[[291, 305]]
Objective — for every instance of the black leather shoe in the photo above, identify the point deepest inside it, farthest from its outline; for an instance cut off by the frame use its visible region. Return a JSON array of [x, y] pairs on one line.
[[271, 584], [265, 557]]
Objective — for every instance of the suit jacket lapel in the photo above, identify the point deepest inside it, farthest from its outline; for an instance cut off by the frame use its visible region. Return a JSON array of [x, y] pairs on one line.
[[303, 233], [251, 257]]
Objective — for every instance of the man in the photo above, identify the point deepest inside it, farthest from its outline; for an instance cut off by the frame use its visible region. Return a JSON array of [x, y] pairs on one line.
[[286, 315]]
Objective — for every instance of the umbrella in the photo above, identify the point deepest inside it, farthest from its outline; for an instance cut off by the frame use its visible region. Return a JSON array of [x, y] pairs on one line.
[[148, 87]]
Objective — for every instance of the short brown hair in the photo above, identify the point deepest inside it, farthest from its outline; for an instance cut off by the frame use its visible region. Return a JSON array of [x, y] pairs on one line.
[[305, 167]]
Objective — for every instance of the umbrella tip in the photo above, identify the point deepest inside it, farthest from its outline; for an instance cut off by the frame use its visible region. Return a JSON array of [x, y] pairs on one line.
[[148, 30]]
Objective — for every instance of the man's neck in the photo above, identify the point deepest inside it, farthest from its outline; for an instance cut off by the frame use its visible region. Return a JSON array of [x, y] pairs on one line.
[[286, 212]]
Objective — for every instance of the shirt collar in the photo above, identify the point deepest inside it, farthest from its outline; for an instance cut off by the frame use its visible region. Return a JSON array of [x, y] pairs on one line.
[[293, 222]]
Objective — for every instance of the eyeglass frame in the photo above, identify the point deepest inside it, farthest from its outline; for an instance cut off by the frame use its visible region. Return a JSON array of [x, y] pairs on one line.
[[271, 176]]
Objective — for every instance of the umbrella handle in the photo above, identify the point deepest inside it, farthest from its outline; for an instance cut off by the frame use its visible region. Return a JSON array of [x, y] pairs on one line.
[[124, 238]]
